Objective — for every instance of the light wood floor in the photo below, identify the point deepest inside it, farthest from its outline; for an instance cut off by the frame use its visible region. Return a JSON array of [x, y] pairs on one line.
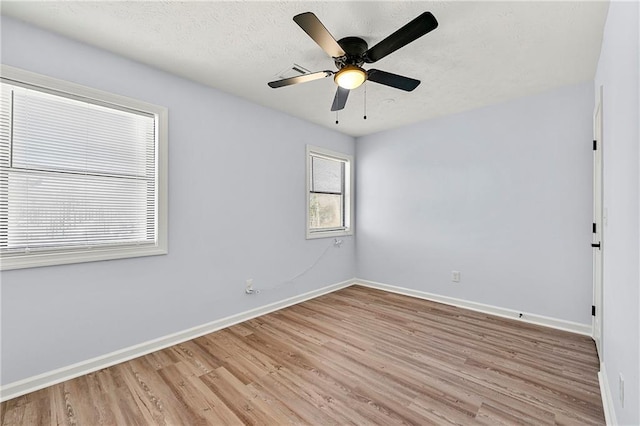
[[356, 356]]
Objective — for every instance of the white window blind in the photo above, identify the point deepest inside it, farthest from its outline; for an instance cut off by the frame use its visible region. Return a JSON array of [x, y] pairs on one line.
[[77, 174]]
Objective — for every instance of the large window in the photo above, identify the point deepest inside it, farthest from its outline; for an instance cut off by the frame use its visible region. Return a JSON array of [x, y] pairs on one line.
[[83, 173], [329, 193]]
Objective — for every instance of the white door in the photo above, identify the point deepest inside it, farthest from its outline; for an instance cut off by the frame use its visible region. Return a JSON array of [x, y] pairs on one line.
[[597, 225]]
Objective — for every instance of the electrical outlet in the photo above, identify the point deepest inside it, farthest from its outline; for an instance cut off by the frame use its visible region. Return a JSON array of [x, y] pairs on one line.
[[248, 286], [621, 390], [455, 276]]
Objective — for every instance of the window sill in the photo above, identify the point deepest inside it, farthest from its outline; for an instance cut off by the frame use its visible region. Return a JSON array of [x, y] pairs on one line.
[[33, 260], [311, 235]]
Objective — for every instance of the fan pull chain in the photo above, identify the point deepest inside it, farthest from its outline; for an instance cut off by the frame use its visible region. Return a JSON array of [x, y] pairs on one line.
[[365, 101], [336, 117]]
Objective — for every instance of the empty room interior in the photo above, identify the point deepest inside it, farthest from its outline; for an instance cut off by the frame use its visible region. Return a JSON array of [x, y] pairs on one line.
[[230, 212]]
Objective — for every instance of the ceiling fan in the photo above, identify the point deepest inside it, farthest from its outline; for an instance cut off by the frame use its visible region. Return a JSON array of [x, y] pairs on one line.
[[350, 53]]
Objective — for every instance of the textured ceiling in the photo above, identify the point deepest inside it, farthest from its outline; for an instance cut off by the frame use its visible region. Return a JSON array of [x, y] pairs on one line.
[[481, 53]]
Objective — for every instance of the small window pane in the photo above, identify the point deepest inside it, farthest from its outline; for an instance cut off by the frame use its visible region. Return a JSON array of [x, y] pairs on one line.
[[327, 175], [325, 211], [329, 198]]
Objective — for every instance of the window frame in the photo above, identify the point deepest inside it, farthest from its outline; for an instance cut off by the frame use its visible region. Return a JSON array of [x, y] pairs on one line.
[[348, 195], [8, 261]]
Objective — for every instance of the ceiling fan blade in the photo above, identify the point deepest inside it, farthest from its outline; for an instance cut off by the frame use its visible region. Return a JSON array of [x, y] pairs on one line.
[[299, 79], [340, 99], [392, 80], [314, 28], [415, 29]]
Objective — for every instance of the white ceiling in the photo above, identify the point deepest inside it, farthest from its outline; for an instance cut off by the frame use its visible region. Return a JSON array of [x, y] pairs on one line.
[[482, 53]]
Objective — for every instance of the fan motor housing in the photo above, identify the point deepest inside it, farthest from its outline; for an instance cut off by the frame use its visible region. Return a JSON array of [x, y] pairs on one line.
[[355, 48]]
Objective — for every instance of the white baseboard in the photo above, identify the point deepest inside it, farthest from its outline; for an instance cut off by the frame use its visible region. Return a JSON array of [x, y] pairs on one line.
[[607, 401], [59, 375], [558, 324]]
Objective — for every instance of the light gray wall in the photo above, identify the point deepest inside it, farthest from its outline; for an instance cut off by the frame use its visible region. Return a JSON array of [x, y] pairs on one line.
[[236, 210], [619, 73], [501, 194]]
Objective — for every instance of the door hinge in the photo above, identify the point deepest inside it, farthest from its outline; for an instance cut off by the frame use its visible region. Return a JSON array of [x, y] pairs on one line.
[[593, 310], [595, 144], [594, 228], [594, 245]]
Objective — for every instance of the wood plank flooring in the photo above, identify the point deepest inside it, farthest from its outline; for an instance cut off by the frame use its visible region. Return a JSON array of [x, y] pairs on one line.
[[356, 356]]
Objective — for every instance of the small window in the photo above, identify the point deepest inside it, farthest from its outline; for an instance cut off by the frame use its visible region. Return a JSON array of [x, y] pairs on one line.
[[329, 193], [83, 174]]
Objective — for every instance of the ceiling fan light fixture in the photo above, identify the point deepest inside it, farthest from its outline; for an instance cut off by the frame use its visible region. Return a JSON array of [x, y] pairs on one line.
[[350, 77]]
